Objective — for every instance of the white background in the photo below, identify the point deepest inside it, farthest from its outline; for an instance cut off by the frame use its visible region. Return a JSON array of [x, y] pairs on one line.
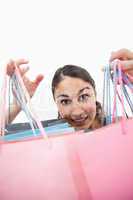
[[52, 33]]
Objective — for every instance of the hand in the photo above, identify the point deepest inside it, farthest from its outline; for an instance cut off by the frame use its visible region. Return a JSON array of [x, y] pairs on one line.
[[31, 86], [126, 57]]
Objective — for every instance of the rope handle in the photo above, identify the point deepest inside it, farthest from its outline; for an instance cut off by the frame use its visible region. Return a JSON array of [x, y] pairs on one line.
[[23, 98]]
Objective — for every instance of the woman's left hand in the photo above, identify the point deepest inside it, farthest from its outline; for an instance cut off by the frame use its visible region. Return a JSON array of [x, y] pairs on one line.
[[126, 57]]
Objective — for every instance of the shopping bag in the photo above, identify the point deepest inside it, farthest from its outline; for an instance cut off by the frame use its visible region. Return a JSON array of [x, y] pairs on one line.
[[23, 126], [24, 132], [87, 166]]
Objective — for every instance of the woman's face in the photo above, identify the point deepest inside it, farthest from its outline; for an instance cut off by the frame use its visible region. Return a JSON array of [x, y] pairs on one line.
[[76, 101]]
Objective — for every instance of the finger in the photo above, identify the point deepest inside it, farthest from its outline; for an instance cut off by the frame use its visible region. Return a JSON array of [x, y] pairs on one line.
[[23, 70], [21, 61], [38, 79], [10, 67], [32, 85], [127, 65], [122, 54]]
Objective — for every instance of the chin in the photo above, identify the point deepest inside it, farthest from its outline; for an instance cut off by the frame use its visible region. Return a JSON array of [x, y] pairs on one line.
[[82, 125]]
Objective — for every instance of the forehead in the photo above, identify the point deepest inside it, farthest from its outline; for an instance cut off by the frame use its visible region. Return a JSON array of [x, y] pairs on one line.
[[71, 86]]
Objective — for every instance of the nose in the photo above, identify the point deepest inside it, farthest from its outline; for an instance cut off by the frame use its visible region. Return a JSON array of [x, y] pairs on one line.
[[77, 111]]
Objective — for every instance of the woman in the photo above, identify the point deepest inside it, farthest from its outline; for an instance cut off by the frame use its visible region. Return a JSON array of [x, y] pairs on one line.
[[75, 95], [74, 91]]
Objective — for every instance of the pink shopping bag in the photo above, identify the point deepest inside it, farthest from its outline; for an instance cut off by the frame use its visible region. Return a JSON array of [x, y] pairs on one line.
[[90, 166]]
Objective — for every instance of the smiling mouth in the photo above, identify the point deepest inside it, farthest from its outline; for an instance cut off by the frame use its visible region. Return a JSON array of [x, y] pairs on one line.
[[79, 121]]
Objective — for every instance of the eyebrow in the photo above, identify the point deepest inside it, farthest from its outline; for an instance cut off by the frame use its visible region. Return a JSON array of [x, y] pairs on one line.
[[62, 95], [80, 91]]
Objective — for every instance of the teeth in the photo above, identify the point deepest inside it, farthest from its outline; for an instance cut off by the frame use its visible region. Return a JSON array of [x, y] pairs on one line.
[[80, 120]]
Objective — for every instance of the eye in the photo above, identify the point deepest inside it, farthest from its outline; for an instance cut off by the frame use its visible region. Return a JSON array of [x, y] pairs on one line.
[[65, 102], [84, 97]]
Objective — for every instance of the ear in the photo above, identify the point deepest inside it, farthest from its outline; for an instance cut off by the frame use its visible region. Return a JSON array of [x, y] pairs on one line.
[[59, 116]]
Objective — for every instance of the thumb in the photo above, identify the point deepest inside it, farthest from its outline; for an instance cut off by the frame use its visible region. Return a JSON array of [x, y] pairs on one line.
[[127, 65]]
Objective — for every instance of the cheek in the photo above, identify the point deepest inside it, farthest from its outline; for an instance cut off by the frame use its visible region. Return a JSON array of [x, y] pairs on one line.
[[64, 111], [87, 108], [90, 108]]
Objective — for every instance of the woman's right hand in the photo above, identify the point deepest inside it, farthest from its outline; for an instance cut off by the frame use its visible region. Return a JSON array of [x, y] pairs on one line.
[[31, 86]]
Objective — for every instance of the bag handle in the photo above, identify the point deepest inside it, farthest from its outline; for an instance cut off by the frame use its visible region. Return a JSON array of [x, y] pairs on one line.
[[3, 110], [114, 72], [23, 99]]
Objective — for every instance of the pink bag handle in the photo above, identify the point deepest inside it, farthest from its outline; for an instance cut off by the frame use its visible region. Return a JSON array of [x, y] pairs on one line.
[[115, 92], [3, 102], [36, 118], [118, 66]]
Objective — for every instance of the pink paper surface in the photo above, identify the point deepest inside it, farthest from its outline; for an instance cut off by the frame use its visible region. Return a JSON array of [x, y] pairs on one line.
[[96, 166]]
